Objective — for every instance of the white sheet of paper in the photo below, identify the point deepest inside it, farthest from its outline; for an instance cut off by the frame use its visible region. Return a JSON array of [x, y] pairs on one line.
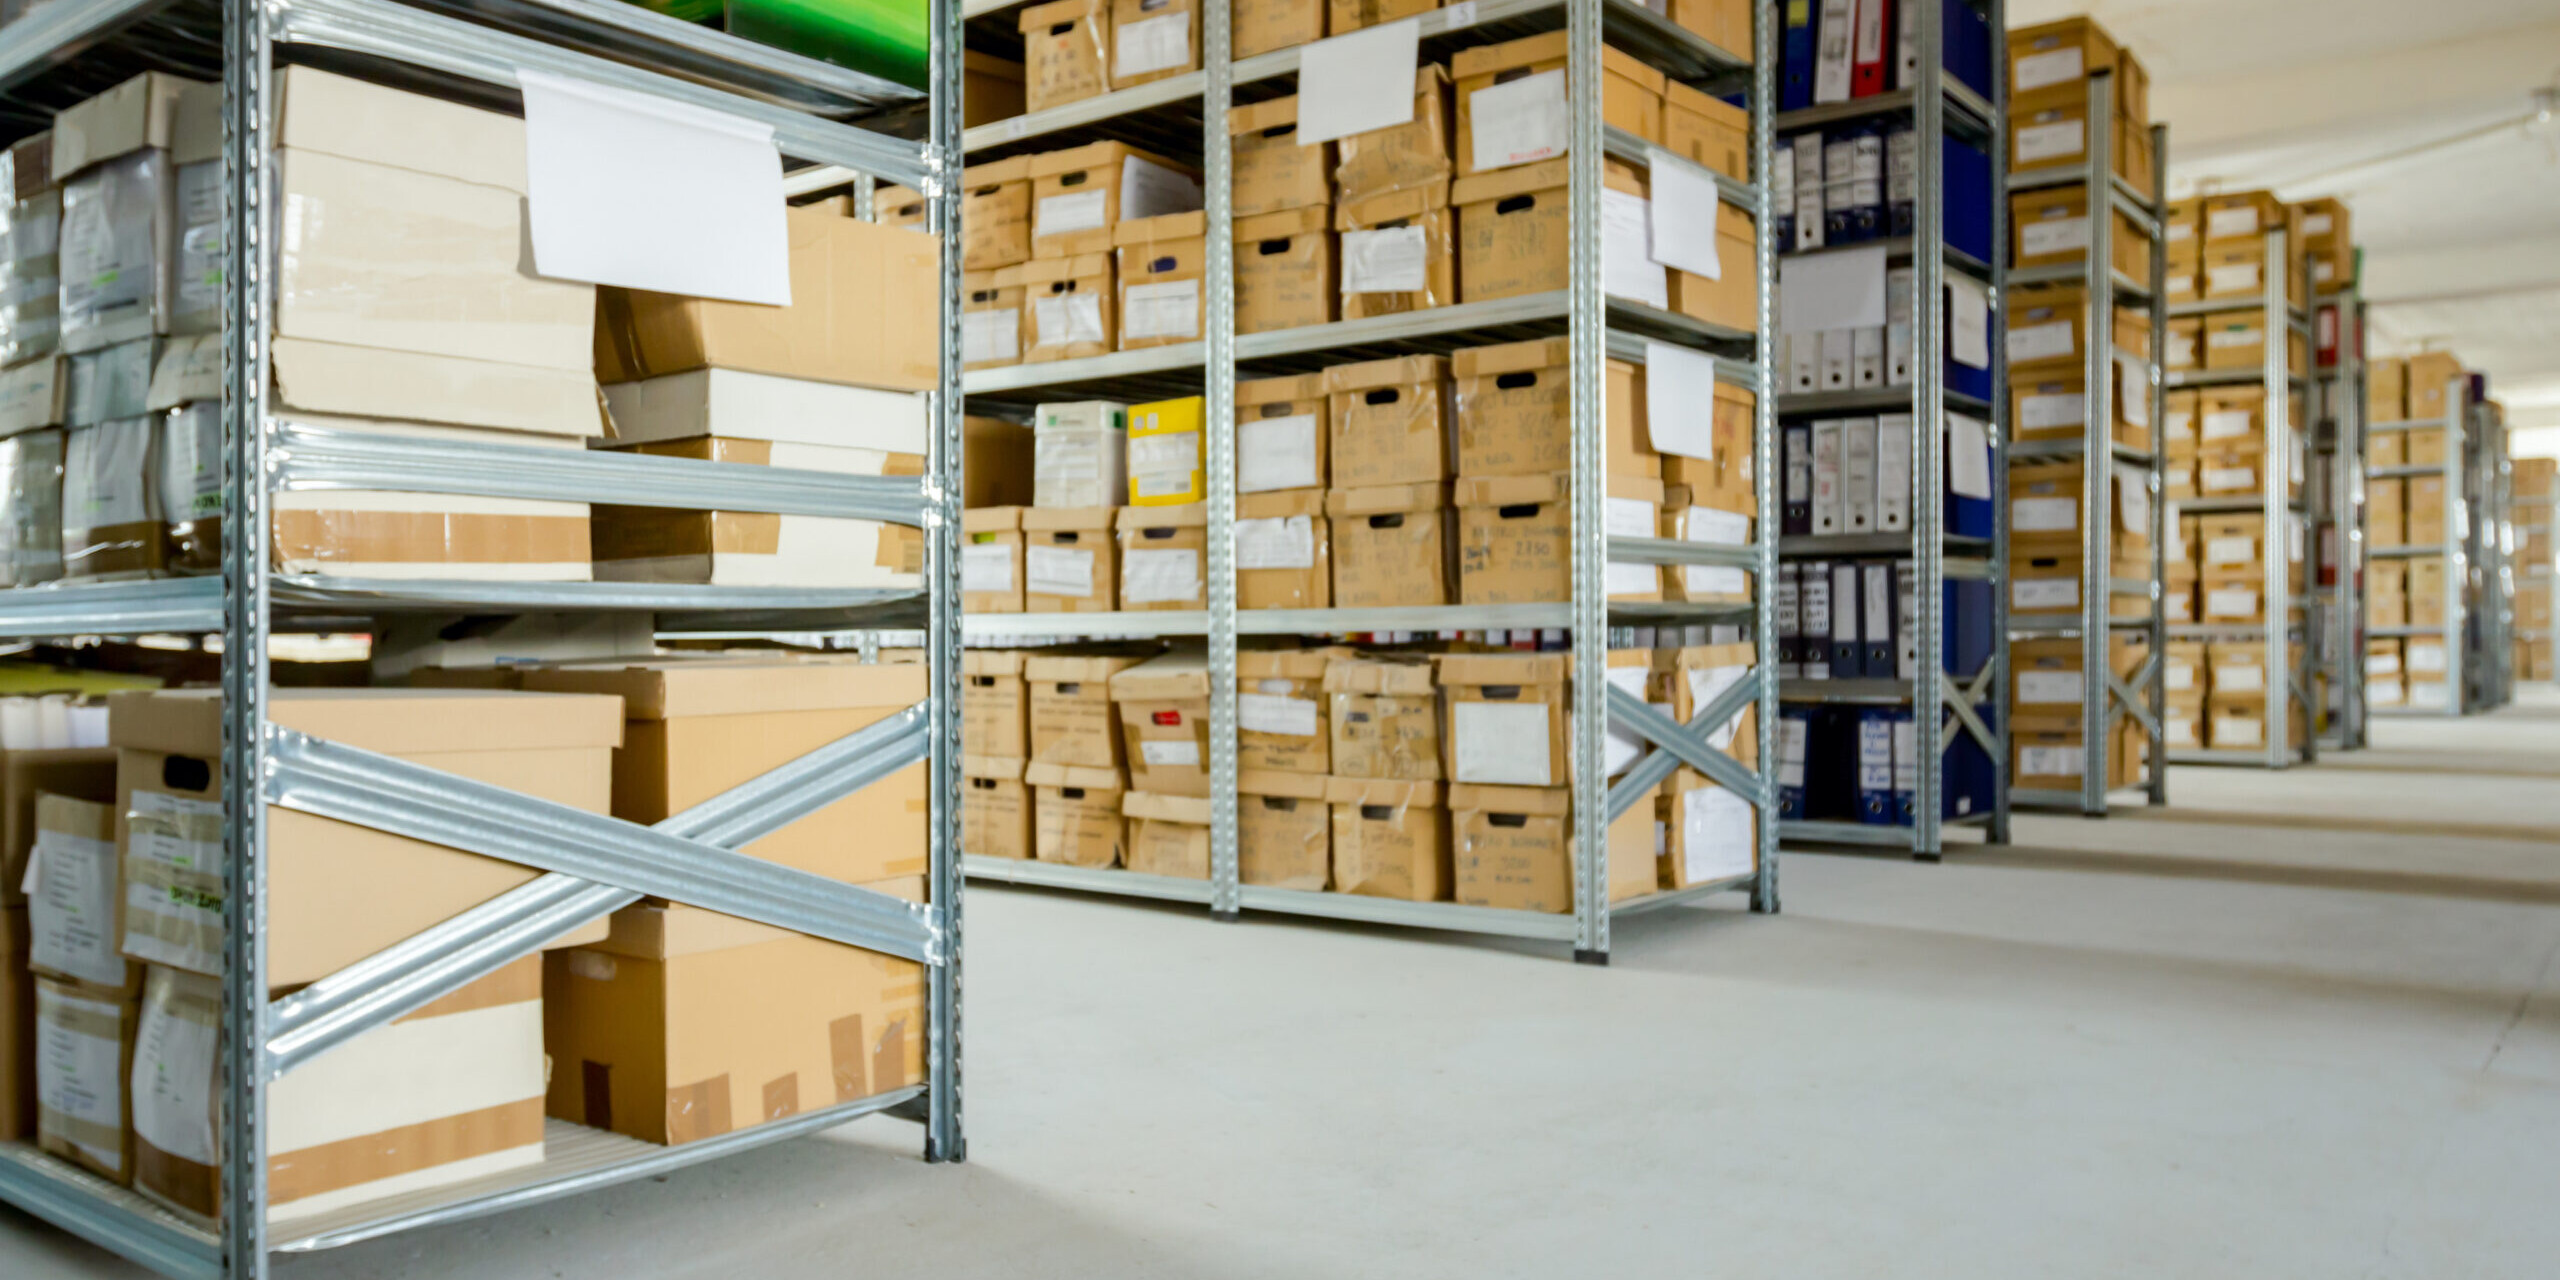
[[1968, 323], [1968, 456], [1843, 290], [1628, 268], [1358, 82], [1685, 209], [1680, 397], [1521, 121], [631, 190]]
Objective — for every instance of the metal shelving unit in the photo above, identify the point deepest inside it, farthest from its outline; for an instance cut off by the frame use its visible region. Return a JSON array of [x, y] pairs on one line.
[[1172, 120], [2103, 694], [593, 864], [2455, 547], [2533, 516], [2338, 391], [1937, 105], [2278, 508], [2492, 537]]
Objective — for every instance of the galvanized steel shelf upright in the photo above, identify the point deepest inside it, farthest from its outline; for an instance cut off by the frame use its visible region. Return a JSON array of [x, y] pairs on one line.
[[2339, 390]]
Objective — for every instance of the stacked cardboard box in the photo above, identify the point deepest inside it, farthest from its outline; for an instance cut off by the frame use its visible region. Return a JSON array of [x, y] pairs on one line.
[[2048, 734], [2411, 389], [2535, 486], [1078, 49], [2049, 68], [1080, 252]]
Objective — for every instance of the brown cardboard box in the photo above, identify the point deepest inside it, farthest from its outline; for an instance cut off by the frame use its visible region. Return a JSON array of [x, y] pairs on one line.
[[1507, 721], [1167, 835], [1284, 550], [2237, 271], [83, 773], [2178, 425], [552, 747], [2182, 670], [1066, 548], [1512, 848], [2049, 329], [2049, 129], [1078, 195], [1071, 717], [82, 1114], [1351, 15], [1390, 421], [995, 214], [2054, 757], [1631, 507], [991, 89], [856, 288], [1282, 433], [1513, 412], [1066, 52], [991, 320], [2386, 512], [1406, 157], [2051, 226], [1398, 251], [2231, 418], [17, 1030], [1684, 519], [1630, 99], [997, 463], [2386, 449], [2185, 347], [697, 729], [1164, 557], [1726, 24], [1515, 539], [1160, 261], [685, 1025], [1513, 231], [1285, 269], [1069, 309], [991, 560], [1284, 831], [662, 544], [2241, 215], [2386, 388], [1163, 707], [2045, 583], [2063, 52], [1153, 40], [1280, 710], [1707, 129], [1261, 26], [2238, 340], [2045, 674], [995, 708], [1734, 300], [995, 807], [1273, 171], [1630, 426], [1390, 839], [2423, 446], [896, 206], [1075, 813], [74, 918], [2430, 374], [2053, 405], [2328, 240], [1384, 715], [2426, 591], [1391, 546]]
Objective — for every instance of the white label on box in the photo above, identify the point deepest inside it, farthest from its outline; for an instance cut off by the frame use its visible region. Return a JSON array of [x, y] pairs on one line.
[[1271, 713], [2233, 336], [1388, 260], [2049, 686], [1623, 747], [2223, 424], [1167, 310], [2058, 235], [1170, 453], [1715, 835], [2133, 504], [200, 256], [2385, 692], [1358, 81], [2427, 656], [2133, 390], [1679, 395], [2427, 693], [2230, 602], [1151, 190], [1706, 684], [2229, 479], [1518, 122], [2239, 731], [2044, 515], [71, 893], [1684, 210], [2236, 220], [2178, 424], [2229, 678], [1069, 456], [2049, 762], [1968, 456], [2038, 142], [1501, 743], [1155, 44], [2179, 731], [1702, 580], [2036, 70], [2046, 412], [1627, 268], [2230, 550], [1170, 753], [1074, 211], [2315, 224], [2045, 593], [173, 1068], [2382, 664], [2178, 676], [2228, 278], [1160, 577], [1282, 542], [1276, 453], [80, 1077], [1062, 318], [174, 888], [1057, 571], [1630, 518], [1162, 484], [2041, 341], [986, 567], [1724, 528], [1969, 323], [990, 335]]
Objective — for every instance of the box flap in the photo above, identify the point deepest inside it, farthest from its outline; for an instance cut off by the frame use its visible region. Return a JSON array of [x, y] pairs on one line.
[[1280, 224], [1163, 808], [1189, 515], [992, 662], [1161, 229], [1394, 372], [1400, 677], [346, 117], [1057, 11], [1007, 768], [678, 689], [1280, 782], [1273, 504], [991, 173], [1486, 798], [990, 519], [1527, 51], [371, 382], [1093, 155], [1051, 270], [1505, 491], [762, 406], [1387, 791], [1678, 96], [1391, 206], [1079, 519], [1511, 357], [1181, 673], [1642, 488], [1041, 773], [1520, 180], [1256, 117], [1710, 657], [1074, 668], [75, 817], [1301, 386], [1384, 499], [1500, 668], [1286, 664]]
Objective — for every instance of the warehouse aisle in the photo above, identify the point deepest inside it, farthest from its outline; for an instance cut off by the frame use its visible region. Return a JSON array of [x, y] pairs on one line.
[[2164, 1048]]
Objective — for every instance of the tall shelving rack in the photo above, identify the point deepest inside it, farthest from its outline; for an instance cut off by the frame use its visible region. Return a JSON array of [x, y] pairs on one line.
[[2492, 539], [2338, 403], [593, 864], [1185, 115], [2103, 695], [1938, 103], [2533, 519], [2455, 546], [2288, 682]]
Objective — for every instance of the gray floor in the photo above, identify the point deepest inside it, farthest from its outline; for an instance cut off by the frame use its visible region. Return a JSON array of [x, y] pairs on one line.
[[2241, 1039]]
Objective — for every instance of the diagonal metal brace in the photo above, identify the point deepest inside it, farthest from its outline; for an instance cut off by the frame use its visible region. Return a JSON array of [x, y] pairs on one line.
[[1967, 717], [1651, 724], [452, 954], [2137, 707], [1656, 766]]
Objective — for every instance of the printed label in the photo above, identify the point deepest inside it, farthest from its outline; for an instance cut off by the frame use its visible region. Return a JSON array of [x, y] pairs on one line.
[[2230, 550], [2045, 593], [987, 567], [1272, 713], [1074, 211], [1156, 44], [1062, 318], [1389, 260], [1057, 571], [1160, 577], [1170, 753], [2044, 515], [2047, 412], [1282, 542], [1276, 453], [1167, 310], [2057, 66], [2050, 762], [2227, 223], [2050, 687], [2059, 235], [2228, 678], [2038, 142], [71, 885], [2041, 341], [990, 335], [1519, 122], [174, 889]]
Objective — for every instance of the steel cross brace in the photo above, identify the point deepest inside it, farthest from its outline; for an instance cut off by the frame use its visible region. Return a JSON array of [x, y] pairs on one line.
[[687, 858], [1962, 701], [1681, 743], [2137, 707]]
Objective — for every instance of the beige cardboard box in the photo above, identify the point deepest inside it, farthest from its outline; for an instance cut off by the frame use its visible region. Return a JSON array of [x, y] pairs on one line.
[[81, 1045], [1734, 300], [2183, 725], [1071, 717], [1707, 129], [2182, 670], [1273, 171], [685, 1025], [2178, 426], [1399, 252], [1284, 830], [1282, 433], [995, 807], [1160, 261], [1384, 715], [2049, 129], [1285, 269], [995, 707], [1726, 24], [2386, 449], [1351, 15], [1513, 406], [1405, 157], [1069, 309], [1168, 835], [2237, 271], [2051, 226], [1153, 40], [991, 321], [1164, 555], [897, 206], [2424, 446], [995, 214], [2054, 406], [2386, 512], [2426, 591], [1507, 721], [2231, 418], [2048, 329], [1284, 550], [2431, 374], [1390, 422], [2242, 216], [2386, 390], [2062, 52], [2054, 757], [1513, 231], [1066, 52], [1069, 562], [1163, 708], [2185, 347], [2045, 674], [697, 729], [1521, 120], [82, 773], [1078, 195], [1515, 539], [756, 548], [1512, 848], [1280, 710], [1684, 519], [1075, 812], [74, 918], [2047, 582], [1390, 839], [1391, 546], [1708, 833], [2238, 340], [168, 782], [2045, 508], [991, 560], [1261, 26]]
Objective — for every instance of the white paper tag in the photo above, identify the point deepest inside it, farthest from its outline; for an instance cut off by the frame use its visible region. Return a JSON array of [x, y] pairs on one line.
[[986, 567], [1167, 310], [80, 1076], [2133, 504], [990, 335], [1074, 211], [1679, 398], [2044, 593], [1160, 577], [1843, 290], [1275, 714], [2227, 424], [2231, 222], [1387, 260], [1154, 44], [2041, 341], [2057, 235], [1518, 122], [1684, 210], [1358, 81], [1170, 753], [2046, 412], [2385, 663], [173, 1072], [2036, 70], [2229, 479], [1276, 453], [1151, 190], [1501, 743], [1968, 456], [2047, 687], [1282, 542], [1057, 571], [1168, 453], [2039, 142], [1715, 835], [1627, 268], [2231, 277], [2044, 515], [2050, 762], [2428, 657], [1063, 318], [2230, 551], [1623, 747], [2315, 224], [2178, 676], [1968, 323], [2239, 679], [2231, 602], [173, 876], [71, 887]]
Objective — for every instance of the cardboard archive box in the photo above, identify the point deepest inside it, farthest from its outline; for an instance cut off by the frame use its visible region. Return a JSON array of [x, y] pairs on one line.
[[1705, 128], [2045, 677], [2051, 227], [1390, 839], [81, 773], [1284, 550], [1411, 156], [1513, 231], [991, 320], [1152, 40], [2386, 388], [1066, 52], [1160, 261], [1390, 422], [1080, 454], [1280, 710], [1068, 306], [121, 159], [2048, 328], [81, 1045], [1071, 717], [1282, 434], [1684, 519], [1273, 171], [1707, 832], [1167, 835], [1507, 722], [1075, 814], [1351, 15], [2430, 379], [1168, 453], [1069, 563], [1384, 715], [1163, 708], [995, 707], [1261, 26], [1164, 554], [1512, 847], [1398, 252], [1284, 829], [995, 214], [991, 560], [2238, 340], [1391, 545], [1078, 195], [1511, 100], [1514, 417], [995, 807], [1285, 263], [2052, 404]]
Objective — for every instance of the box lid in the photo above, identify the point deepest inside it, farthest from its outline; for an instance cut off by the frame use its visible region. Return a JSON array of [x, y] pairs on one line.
[[1182, 673], [1280, 782], [1642, 488], [1041, 773], [678, 689], [1500, 668], [1506, 491], [1163, 228], [1051, 270], [992, 662], [1705, 657], [347, 117], [1700, 102], [1383, 499], [1400, 677], [1006, 768], [1519, 180], [1274, 504], [1256, 117], [143, 112], [1074, 668], [1300, 386], [990, 519], [1548, 46], [1095, 155], [1280, 224], [1388, 791], [1511, 357], [1286, 664], [1481, 797], [1188, 515], [1393, 372], [991, 173], [1193, 810], [393, 721], [1077, 519], [1390, 206]]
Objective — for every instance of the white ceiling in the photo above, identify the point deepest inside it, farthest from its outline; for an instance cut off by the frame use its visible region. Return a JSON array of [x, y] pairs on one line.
[[2417, 115]]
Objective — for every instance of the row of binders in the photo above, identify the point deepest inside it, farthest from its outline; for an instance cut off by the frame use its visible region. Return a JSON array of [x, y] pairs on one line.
[[1853, 183], [1862, 764], [1837, 50], [1853, 475], [1858, 620]]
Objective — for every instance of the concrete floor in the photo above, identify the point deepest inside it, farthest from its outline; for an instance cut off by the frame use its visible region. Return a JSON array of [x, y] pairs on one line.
[[2243, 1039]]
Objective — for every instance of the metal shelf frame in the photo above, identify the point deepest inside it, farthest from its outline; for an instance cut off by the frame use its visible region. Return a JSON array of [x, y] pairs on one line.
[[2104, 695], [2456, 549], [2490, 478], [1600, 328], [2339, 392], [592, 864]]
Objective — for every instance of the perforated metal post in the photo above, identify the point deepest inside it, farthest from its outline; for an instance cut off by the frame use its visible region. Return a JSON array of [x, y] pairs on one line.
[[945, 1138], [2156, 689], [1590, 536], [1765, 466], [2098, 451], [1225, 888], [1929, 423]]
